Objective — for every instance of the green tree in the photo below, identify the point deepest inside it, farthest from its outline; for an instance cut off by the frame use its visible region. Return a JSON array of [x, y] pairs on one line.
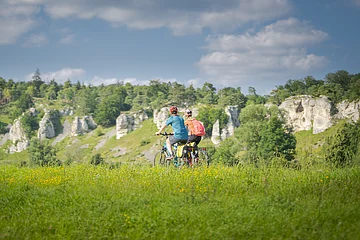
[[36, 82], [209, 115], [29, 124], [342, 148], [226, 152], [97, 159], [41, 153], [24, 102], [254, 98], [108, 110], [276, 140], [86, 100], [231, 96], [263, 135]]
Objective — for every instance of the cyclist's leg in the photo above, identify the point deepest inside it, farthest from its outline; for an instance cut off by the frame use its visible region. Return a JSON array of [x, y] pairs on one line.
[[170, 141]]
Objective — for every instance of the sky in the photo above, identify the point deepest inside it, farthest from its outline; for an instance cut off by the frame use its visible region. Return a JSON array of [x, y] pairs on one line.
[[229, 43]]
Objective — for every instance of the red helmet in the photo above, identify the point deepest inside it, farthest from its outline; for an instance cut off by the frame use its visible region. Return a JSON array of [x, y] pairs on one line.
[[173, 110]]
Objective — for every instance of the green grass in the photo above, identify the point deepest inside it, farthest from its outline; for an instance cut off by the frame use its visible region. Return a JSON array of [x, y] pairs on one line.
[[309, 146], [85, 202]]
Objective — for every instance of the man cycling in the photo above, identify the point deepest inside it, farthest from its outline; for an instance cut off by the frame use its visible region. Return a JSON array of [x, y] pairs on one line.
[[179, 129]]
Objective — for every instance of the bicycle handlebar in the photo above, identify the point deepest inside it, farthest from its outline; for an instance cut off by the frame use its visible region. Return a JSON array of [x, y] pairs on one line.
[[166, 134]]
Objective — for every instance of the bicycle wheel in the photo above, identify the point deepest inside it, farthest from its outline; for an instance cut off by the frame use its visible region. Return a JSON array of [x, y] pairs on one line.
[[159, 159], [183, 162], [203, 159]]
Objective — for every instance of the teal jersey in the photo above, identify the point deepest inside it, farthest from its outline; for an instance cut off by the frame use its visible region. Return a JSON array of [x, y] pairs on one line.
[[178, 126]]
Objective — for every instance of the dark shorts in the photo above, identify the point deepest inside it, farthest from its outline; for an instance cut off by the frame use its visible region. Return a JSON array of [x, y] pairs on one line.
[[174, 140], [194, 138]]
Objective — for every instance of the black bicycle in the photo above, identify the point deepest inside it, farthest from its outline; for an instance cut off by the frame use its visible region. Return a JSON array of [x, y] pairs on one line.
[[186, 154]]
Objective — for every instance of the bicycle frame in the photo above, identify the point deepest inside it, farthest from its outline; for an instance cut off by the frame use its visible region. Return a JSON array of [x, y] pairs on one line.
[[162, 156]]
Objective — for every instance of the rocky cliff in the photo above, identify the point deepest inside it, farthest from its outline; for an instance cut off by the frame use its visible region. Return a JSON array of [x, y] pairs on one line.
[[18, 137], [317, 113], [348, 110], [126, 123], [46, 126], [82, 125], [218, 134], [305, 112]]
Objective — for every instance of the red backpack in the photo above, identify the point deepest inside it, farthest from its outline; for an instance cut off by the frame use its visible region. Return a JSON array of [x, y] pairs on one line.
[[199, 129]]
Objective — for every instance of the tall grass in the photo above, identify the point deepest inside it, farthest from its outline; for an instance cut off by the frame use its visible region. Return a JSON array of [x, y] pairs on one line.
[[86, 202]]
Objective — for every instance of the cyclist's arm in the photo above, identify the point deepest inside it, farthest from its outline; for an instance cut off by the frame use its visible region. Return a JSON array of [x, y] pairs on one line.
[[161, 129]]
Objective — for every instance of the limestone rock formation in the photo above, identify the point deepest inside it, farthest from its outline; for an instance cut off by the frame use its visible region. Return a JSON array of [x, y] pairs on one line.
[[18, 137], [82, 125], [161, 116], [349, 110], [46, 127], [305, 112], [33, 112], [67, 111], [215, 135], [233, 122], [126, 123]]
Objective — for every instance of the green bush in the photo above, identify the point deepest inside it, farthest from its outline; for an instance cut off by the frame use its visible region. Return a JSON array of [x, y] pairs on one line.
[[97, 159], [41, 153], [342, 148]]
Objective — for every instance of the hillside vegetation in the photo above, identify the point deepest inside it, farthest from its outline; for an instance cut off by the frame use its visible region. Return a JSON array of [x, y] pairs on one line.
[[261, 138]]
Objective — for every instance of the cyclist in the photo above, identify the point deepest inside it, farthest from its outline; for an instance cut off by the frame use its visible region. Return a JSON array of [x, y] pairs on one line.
[[178, 126], [190, 126]]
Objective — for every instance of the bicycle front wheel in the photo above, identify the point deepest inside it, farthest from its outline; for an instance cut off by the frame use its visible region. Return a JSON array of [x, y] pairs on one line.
[[159, 159]]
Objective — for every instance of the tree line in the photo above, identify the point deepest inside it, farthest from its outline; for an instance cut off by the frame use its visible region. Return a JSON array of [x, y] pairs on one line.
[[261, 137]]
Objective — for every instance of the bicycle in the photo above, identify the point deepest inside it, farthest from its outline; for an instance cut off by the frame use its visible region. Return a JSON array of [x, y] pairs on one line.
[[162, 157], [186, 154], [196, 156]]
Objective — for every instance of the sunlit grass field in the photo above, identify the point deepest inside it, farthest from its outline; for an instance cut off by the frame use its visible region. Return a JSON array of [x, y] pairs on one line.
[[134, 202]]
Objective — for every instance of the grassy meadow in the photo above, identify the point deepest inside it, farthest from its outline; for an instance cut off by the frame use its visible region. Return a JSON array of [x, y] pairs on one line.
[[140, 202]]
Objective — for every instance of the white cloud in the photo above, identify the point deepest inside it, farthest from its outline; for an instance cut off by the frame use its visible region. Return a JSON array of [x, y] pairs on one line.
[[36, 40], [68, 39], [181, 17], [18, 17], [60, 76], [96, 81], [279, 48], [15, 20]]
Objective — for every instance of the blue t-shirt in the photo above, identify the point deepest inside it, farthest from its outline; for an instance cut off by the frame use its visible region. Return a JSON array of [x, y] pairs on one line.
[[178, 126]]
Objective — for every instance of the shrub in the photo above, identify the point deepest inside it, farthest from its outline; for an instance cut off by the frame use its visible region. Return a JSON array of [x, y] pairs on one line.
[[144, 142], [41, 153], [342, 148], [97, 159]]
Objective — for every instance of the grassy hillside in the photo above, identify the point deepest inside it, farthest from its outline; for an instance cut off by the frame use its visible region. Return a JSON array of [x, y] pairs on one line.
[[310, 147]]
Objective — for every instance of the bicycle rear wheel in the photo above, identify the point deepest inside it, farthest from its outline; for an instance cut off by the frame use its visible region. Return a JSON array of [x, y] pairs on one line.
[[160, 159]]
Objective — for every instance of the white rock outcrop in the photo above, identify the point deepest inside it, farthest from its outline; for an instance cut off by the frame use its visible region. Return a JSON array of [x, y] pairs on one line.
[[160, 116], [18, 137], [67, 111], [82, 125], [215, 134], [348, 110], [305, 112], [46, 127], [218, 134], [126, 123]]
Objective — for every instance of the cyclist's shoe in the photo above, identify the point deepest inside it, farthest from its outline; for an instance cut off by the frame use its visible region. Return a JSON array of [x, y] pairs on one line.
[[169, 158]]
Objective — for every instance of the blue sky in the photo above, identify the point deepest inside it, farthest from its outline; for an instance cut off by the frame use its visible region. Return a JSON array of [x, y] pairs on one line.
[[237, 43]]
